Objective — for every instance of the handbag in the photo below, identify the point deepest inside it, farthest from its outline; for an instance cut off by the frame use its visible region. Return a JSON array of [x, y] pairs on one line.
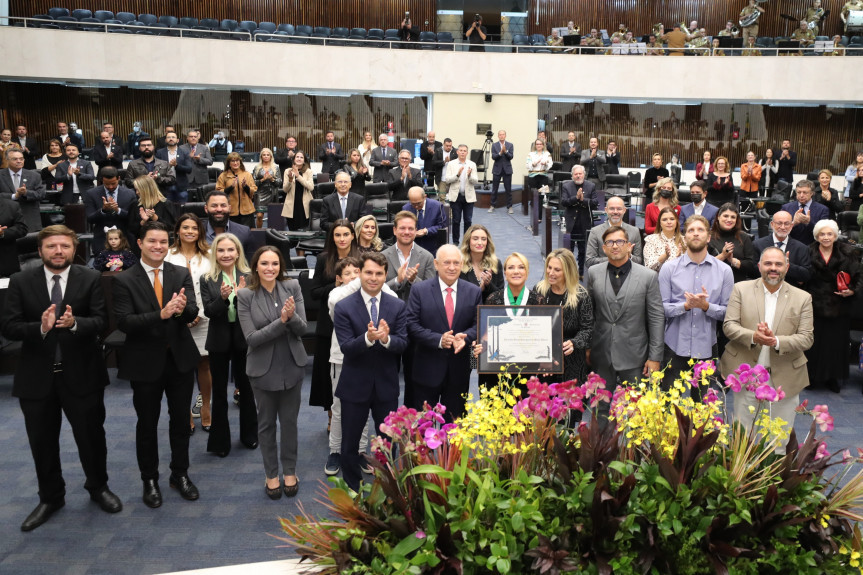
[[842, 280]]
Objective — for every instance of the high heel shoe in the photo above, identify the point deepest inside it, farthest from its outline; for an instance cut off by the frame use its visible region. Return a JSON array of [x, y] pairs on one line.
[[273, 493]]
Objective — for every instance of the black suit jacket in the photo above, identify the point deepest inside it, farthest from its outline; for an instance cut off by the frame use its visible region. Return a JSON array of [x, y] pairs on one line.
[[30, 202], [380, 154], [127, 201], [32, 154], [399, 187], [569, 156], [428, 157], [440, 161], [799, 262], [148, 336], [219, 330], [182, 169], [579, 214], [75, 137], [11, 217], [100, 155], [330, 162], [331, 209], [83, 364], [85, 180]]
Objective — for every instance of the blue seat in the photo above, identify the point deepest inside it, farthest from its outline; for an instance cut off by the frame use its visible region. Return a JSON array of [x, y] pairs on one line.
[[126, 17], [248, 25], [855, 40], [103, 15], [94, 24], [299, 38], [119, 31], [375, 33], [169, 20], [360, 41], [147, 19], [58, 12], [537, 40], [189, 21], [67, 22], [319, 35], [289, 28], [321, 31], [45, 20], [209, 23], [339, 32], [81, 13], [445, 41], [305, 29], [358, 32], [228, 25], [267, 27], [391, 33]]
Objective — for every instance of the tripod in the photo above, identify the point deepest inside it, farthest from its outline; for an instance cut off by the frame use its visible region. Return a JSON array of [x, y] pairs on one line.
[[486, 151]]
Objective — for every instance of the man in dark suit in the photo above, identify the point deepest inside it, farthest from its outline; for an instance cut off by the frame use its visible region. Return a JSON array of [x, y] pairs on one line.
[[66, 136], [442, 157], [805, 213], [431, 218], [501, 154], [383, 159], [593, 160], [182, 164], [699, 206], [133, 140], [570, 153], [579, 198], [787, 162], [343, 204], [218, 209], [76, 174], [427, 154], [285, 156], [108, 206], [200, 156], [107, 152], [330, 155], [441, 319], [24, 187], [58, 311], [28, 145], [403, 177], [371, 331], [797, 252], [12, 227], [154, 303]]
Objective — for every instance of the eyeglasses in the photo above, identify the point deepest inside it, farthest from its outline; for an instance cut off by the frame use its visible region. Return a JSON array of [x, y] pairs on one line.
[[612, 243]]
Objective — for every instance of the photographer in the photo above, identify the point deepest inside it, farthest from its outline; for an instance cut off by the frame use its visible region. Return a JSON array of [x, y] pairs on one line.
[[476, 35], [408, 32]]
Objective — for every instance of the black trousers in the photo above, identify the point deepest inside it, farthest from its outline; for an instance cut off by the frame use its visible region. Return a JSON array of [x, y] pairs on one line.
[[234, 359], [247, 220], [177, 387], [507, 185], [449, 393], [354, 419], [430, 178], [43, 419]]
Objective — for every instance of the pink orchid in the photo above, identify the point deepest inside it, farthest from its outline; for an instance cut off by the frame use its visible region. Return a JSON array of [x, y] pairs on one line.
[[823, 417], [821, 451], [733, 383], [765, 392], [802, 407], [846, 456], [435, 437]]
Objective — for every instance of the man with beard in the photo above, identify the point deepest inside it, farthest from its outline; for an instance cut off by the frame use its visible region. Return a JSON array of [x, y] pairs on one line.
[[66, 136], [108, 206], [796, 252], [579, 199], [149, 165], [107, 152], [76, 174], [787, 162], [285, 156], [330, 155], [770, 323], [57, 311], [615, 210], [593, 160], [218, 210], [178, 159], [200, 157], [695, 289]]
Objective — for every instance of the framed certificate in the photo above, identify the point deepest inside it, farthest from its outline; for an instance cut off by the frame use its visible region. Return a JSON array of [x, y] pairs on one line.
[[526, 339]]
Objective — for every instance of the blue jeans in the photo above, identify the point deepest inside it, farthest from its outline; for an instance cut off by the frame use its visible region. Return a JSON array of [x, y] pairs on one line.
[[459, 207]]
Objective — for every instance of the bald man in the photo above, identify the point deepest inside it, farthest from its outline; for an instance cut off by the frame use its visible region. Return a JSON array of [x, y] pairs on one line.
[[431, 218]]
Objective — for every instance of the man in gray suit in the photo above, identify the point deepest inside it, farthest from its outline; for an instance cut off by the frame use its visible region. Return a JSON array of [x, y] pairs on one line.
[[201, 158], [383, 159], [593, 159], [24, 187], [629, 320], [614, 209]]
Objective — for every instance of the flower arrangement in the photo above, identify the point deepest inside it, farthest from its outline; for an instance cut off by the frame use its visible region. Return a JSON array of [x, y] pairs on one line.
[[668, 486]]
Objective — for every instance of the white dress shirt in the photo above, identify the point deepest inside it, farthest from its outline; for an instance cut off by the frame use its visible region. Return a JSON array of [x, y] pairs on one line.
[[149, 271], [770, 300]]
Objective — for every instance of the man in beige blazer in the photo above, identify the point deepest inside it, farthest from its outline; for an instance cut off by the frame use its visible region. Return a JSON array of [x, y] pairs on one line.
[[769, 322], [460, 178]]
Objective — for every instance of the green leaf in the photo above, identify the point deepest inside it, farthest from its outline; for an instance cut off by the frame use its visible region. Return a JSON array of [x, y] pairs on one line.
[[517, 522], [432, 469], [408, 545]]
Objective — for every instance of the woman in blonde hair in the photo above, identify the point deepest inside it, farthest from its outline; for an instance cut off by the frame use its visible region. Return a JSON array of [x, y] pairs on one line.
[[559, 286], [664, 196], [721, 183], [480, 265], [152, 206], [358, 171], [268, 178], [368, 238], [241, 189]]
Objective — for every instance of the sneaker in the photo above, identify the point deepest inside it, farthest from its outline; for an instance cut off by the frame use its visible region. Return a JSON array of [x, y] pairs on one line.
[[509, 211], [236, 397], [491, 210], [196, 409], [333, 465], [366, 468]]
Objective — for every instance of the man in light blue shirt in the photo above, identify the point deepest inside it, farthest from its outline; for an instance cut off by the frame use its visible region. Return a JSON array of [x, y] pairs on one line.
[[695, 290]]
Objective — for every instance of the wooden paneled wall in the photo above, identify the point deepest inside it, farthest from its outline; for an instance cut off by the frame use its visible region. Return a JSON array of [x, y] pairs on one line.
[[259, 120], [333, 13], [639, 15]]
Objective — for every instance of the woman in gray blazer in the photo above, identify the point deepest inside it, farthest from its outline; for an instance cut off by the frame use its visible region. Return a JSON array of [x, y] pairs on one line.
[[273, 319]]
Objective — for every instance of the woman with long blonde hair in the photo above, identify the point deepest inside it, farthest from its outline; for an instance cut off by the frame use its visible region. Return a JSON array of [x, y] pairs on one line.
[[480, 265], [368, 237], [152, 206], [268, 178]]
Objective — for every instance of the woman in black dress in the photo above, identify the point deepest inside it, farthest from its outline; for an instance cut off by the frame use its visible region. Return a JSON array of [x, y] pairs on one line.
[[341, 242], [479, 264], [828, 356], [358, 171], [730, 244], [721, 183]]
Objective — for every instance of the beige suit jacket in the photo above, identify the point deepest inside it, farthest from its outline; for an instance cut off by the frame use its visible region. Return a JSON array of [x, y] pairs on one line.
[[792, 325], [451, 180]]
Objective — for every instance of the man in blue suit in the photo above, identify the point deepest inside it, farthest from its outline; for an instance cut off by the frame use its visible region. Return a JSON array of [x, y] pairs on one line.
[[805, 213], [431, 218], [501, 155], [371, 330], [699, 204], [182, 164], [441, 321]]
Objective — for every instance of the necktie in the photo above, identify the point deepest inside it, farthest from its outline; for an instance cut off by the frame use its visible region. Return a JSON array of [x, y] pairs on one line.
[[57, 300], [449, 306], [344, 201], [779, 245], [157, 286], [17, 180], [803, 207], [374, 303]]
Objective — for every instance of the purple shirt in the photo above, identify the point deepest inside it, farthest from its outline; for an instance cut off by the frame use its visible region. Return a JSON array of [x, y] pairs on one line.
[[693, 333]]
